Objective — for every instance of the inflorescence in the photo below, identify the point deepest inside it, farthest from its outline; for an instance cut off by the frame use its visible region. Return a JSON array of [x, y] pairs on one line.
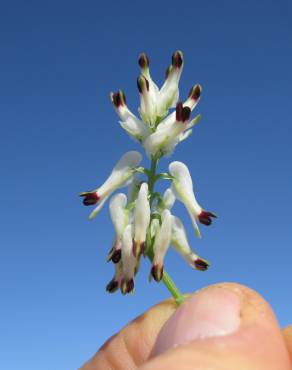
[[143, 222]]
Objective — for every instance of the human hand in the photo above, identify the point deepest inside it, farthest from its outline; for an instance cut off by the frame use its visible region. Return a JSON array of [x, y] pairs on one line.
[[222, 327]]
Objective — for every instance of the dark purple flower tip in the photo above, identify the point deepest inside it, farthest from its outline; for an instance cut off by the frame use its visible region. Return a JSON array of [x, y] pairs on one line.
[[142, 84], [143, 61], [205, 217], [201, 265], [90, 198], [195, 92], [157, 272], [119, 99], [127, 286], [177, 59], [182, 113], [116, 256], [112, 286]]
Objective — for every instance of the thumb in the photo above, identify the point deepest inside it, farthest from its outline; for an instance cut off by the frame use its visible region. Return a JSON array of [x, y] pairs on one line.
[[222, 327]]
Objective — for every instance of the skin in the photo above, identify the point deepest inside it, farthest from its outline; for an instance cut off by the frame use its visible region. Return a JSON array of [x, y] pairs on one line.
[[259, 343]]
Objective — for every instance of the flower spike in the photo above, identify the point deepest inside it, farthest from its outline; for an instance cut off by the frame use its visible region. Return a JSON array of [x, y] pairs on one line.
[[142, 220]]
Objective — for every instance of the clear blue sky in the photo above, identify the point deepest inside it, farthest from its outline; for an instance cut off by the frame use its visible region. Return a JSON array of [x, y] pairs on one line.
[[59, 136]]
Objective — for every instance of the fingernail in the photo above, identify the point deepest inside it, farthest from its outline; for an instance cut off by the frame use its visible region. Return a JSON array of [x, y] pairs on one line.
[[212, 312]]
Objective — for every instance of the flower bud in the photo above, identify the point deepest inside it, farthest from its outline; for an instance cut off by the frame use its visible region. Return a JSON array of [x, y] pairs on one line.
[[141, 220], [118, 99], [177, 59], [161, 245], [119, 217], [143, 61], [129, 262], [195, 92], [142, 84]]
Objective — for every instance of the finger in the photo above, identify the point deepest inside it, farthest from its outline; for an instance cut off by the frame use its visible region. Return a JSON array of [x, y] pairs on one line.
[[131, 347], [288, 339], [222, 327]]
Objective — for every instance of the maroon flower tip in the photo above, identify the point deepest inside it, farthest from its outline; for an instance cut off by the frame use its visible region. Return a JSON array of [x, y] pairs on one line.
[[182, 113], [134, 248], [112, 286], [127, 286], [201, 264], [178, 111], [119, 99], [142, 83], [116, 256], [130, 285], [205, 217], [177, 59], [90, 198], [195, 92], [157, 272], [143, 61], [142, 250]]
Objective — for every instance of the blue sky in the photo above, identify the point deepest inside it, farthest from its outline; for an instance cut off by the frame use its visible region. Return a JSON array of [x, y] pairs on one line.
[[60, 135]]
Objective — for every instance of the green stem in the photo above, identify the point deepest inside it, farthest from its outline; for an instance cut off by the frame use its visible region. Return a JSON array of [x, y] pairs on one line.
[[168, 282], [170, 285]]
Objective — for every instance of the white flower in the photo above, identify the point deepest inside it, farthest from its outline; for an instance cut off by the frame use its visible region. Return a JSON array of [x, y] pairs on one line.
[[121, 176], [129, 122], [169, 92], [148, 98], [155, 103], [183, 187], [169, 134], [141, 220], [161, 245], [120, 219], [129, 262], [180, 242]]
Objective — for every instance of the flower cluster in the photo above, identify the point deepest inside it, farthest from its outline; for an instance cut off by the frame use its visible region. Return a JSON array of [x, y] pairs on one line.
[[143, 221]]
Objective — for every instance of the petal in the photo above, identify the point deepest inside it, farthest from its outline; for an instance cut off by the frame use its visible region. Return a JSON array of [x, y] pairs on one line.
[[121, 173], [118, 213], [168, 198], [141, 217], [98, 208], [135, 128], [128, 259], [180, 242], [163, 237]]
